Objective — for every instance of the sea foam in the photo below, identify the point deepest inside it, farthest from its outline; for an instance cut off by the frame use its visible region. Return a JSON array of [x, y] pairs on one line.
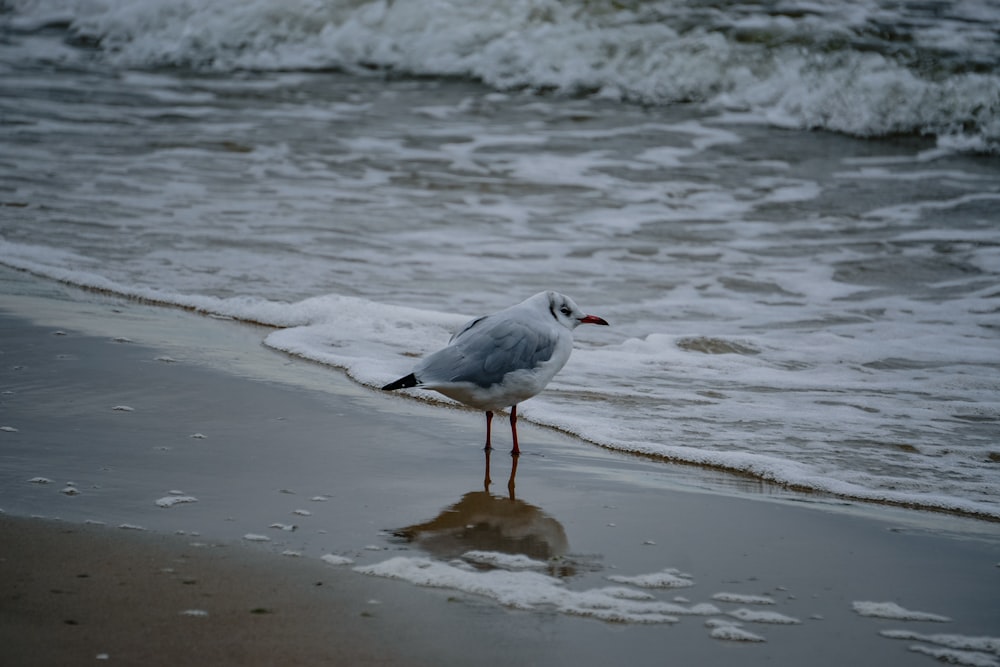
[[800, 69], [535, 591], [895, 611]]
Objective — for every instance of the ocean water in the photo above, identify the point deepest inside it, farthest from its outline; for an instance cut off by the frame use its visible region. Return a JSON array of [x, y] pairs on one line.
[[789, 212]]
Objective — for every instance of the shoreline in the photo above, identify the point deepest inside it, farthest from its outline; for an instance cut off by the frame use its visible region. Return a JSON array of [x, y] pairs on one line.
[[703, 469], [301, 456]]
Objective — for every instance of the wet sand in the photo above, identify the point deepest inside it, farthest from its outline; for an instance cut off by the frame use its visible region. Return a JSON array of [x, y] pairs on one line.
[[75, 594], [120, 405]]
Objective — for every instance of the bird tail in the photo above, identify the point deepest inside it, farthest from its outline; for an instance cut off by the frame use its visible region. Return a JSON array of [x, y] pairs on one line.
[[402, 383]]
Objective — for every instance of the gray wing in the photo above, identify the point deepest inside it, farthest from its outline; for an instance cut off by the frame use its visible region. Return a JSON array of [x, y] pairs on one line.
[[486, 350], [468, 326]]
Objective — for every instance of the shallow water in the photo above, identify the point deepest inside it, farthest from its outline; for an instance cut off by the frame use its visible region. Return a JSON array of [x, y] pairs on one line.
[[810, 308]]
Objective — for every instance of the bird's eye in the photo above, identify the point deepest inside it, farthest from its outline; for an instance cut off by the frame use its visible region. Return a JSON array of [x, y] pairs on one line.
[[566, 311]]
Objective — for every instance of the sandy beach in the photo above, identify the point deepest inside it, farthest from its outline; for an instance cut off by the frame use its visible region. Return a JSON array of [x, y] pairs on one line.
[[176, 493]]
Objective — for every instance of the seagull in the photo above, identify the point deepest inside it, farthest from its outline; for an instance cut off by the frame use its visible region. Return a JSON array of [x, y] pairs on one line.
[[499, 360]]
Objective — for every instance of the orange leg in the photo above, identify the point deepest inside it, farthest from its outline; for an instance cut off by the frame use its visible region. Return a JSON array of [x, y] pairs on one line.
[[486, 476], [489, 422], [513, 474], [513, 430]]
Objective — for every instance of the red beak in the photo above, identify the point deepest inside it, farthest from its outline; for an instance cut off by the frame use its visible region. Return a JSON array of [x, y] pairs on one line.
[[593, 319]]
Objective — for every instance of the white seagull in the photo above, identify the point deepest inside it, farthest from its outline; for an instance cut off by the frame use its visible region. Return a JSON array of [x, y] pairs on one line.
[[499, 360]]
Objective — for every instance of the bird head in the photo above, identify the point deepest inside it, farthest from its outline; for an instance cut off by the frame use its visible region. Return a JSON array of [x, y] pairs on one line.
[[566, 312]]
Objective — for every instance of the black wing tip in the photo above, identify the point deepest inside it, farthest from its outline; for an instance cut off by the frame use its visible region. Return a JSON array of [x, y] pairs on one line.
[[402, 383]]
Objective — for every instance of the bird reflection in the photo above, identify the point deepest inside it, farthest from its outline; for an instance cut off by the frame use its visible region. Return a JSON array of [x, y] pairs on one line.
[[481, 521]]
